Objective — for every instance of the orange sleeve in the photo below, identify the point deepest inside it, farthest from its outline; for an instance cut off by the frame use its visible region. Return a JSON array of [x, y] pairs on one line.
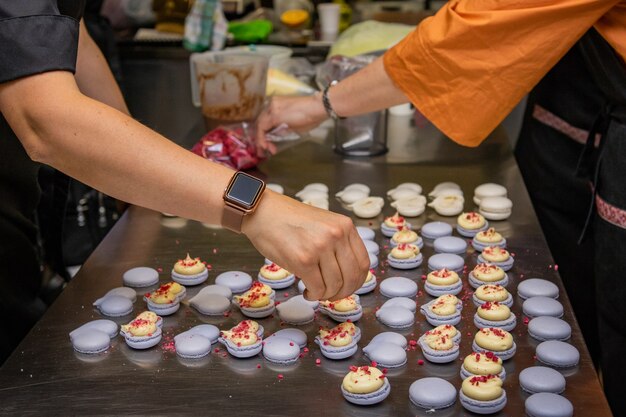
[[467, 67]]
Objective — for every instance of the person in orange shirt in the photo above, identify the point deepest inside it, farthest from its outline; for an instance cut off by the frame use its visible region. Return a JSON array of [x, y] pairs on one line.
[[487, 55]]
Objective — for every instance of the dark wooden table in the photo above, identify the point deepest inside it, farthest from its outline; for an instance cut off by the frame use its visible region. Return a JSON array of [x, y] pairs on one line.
[[45, 376]]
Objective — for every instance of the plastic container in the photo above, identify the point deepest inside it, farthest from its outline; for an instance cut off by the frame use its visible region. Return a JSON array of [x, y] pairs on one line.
[[228, 86]]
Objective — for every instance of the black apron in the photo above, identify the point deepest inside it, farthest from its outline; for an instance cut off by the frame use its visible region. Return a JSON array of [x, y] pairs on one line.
[[572, 154]]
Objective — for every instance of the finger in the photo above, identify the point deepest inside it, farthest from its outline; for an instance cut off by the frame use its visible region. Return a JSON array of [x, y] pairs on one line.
[[331, 273], [315, 287], [352, 279]]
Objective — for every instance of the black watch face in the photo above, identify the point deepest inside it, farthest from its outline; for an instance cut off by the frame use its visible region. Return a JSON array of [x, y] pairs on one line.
[[245, 190]]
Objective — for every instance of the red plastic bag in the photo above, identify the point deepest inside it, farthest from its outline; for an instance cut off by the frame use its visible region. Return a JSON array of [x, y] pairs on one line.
[[230, 146]]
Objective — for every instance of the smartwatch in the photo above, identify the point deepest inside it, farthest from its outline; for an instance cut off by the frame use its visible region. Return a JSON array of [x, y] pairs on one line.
[[241, 197]]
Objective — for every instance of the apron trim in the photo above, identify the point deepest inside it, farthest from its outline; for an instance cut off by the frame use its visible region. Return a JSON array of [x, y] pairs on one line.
[[612, 214], [555, 122]]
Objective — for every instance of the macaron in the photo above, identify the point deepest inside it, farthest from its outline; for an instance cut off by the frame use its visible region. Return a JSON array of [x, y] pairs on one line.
[[346, 309], [486, 238], [373, 260], [434, 230], [192, 345], [404, 302], [386, 354], [295, 335], [141, 276], [392, 224], [368, 207], [208, 331], [126, 292], [557, 354], [237, 281], [390, 337], [497, 256], [276, 277], [432, 393], [541, 379], [108, 327], [189, 271], [444, 187], [495, 315], [371, 247], [482, 363], [405, 256], [210, 304], [498, 341], [492, 293], [488, 190], [257, 302], [217, 289], [165, 300], [398, 287], [366, 233], [447, 330], [542, 306], [443, 281], [336, 343], [404, 191], [468, 224], [445, 309], [295, 311], [90, 341], [482, 394], [142, 332], [549, 328], [487, 274], [446, 260], [300, 298], [448, 203], [281, 350], [546, 404], [450, 244], [241, 343], [438, 347], [368, 285], [406, 235], [396, 317], [114, 306], [537, 287], [495, 208], [410, 207], [365, 385]]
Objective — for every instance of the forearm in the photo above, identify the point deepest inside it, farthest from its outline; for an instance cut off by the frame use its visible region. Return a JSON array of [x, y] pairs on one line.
[[366, 91], [111, 152], [93, 75]]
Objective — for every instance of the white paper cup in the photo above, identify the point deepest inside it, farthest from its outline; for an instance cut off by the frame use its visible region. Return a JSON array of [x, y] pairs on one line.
[[329, 18]]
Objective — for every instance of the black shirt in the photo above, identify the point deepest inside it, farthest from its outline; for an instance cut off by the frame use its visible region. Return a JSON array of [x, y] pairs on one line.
[[36, 36]]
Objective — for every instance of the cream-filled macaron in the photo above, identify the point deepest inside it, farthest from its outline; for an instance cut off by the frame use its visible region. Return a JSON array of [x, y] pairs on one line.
[[492, 293], [482, 363], [482, 394], [494, 314], [498, 341], [498, 256], [365, 385], [487, 274]]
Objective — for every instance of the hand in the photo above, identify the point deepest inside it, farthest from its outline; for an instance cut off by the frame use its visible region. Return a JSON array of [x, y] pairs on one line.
[[301, 114], [321, 247]]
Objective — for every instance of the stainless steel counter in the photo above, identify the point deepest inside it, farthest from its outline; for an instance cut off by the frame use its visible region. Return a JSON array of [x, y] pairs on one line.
[[45, 376]]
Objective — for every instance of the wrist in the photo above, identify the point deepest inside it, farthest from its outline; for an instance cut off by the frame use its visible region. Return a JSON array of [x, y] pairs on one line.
[[252, 219]]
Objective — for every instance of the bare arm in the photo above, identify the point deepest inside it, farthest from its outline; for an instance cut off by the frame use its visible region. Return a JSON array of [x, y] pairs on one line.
[[93, 76], [110, 151], [366, 91]]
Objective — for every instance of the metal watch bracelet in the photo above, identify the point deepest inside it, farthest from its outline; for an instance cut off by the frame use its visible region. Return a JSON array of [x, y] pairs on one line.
[[327, 106]]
